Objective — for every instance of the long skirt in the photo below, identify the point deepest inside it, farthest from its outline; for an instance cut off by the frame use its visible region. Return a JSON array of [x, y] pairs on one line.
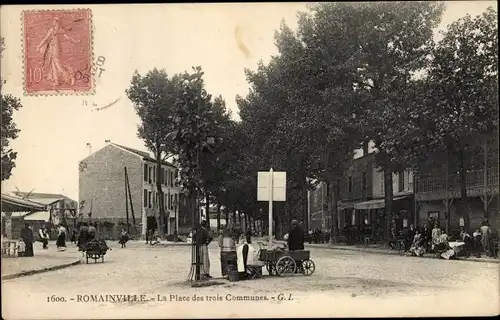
[[205, 259], [28, 252], [61, 240]]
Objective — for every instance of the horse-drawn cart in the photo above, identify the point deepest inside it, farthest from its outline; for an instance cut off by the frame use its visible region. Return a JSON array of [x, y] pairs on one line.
[[282, 262], [96, 249]]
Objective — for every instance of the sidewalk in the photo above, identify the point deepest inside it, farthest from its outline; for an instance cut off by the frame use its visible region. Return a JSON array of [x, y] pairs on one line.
[[376, 249], [44, 260]]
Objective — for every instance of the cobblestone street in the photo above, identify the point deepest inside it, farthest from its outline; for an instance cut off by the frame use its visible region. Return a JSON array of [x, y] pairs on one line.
[[345, 283]]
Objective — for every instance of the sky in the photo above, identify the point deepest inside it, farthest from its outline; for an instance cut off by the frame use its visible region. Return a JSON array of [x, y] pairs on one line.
[[223, 39]]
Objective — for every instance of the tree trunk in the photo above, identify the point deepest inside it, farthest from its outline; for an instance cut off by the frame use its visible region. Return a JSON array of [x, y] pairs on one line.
[[305, 212], [226, 215], [462, 171], [161, 197], [207, 208], [388, 198], [218, 216], [332, 201], [233, 222]]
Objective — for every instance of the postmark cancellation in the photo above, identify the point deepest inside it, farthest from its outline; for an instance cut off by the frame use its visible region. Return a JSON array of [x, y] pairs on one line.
[[58, 52]]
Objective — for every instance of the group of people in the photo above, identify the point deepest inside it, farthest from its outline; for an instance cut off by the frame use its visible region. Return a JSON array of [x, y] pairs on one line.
[[437, 241], [28, 238]]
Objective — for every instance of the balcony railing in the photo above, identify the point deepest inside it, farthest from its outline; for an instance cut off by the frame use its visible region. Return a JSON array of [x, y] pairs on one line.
[[435, 187]]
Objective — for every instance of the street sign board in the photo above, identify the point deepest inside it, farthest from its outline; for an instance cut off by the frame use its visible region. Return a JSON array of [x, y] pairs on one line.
[[264, 182]]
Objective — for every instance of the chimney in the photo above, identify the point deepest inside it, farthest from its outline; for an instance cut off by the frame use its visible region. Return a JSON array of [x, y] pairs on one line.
[[107, 142], [89, 147]]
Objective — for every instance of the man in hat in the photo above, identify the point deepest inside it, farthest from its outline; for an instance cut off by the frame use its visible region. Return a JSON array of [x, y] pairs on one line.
[[295, 237]]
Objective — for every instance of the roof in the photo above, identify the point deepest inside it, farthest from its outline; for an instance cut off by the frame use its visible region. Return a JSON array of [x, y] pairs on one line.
[[46, 201], [31, 195], [38, 216], [376, 203], [143, 154], [18, 214], [13, 203]]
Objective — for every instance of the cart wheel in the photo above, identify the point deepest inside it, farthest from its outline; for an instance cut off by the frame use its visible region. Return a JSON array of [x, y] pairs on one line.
[[285, 265], [308, 267]]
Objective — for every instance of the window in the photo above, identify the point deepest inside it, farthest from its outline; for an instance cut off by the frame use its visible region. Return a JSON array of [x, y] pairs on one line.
[[146, 172], [149, 198], [165, 201], [176, 199], [171, 201], [167, 204], [401, 181], [145, 198], [382, 183], [172, 179], [363, 180], [150, 171], [154, 174], [166, 176], [349, 186], [162, 175], [154, 199]]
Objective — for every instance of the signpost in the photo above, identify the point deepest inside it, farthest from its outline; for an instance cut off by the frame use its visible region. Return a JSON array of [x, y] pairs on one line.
[[271, 186]]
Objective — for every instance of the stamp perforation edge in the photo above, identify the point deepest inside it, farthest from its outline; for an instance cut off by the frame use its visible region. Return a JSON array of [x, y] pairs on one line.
[[90, 92]]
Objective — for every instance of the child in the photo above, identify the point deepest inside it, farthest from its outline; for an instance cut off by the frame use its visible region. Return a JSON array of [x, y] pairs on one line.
[[477, 242], [21, 247], [156, 238]]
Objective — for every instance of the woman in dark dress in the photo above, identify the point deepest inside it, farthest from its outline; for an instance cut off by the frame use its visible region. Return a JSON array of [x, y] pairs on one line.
[[27, 236], [61, 238]]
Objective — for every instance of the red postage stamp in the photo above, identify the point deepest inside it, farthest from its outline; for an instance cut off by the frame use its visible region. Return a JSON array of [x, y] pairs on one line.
[[58, 52]]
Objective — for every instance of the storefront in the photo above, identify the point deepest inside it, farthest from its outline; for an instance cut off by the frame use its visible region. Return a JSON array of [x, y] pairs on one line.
[[371, 217]]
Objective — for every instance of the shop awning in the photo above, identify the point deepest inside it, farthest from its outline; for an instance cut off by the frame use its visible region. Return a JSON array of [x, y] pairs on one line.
[[38, 216], [375, 204]]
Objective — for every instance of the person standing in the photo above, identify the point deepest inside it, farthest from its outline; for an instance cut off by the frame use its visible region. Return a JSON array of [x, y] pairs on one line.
[[485, 237], [123, 238], [477, 242], [61, 238], [295, 237], [44, 237], [92, 231], [83, 237], [203, 238], [27, 236]]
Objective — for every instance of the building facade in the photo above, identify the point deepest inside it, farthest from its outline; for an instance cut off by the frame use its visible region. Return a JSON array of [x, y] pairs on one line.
[[102, 189], [438, 196], [361, 199]]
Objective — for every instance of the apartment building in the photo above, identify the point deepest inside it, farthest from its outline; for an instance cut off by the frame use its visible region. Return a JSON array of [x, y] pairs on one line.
[[361, 198], [102, 188]]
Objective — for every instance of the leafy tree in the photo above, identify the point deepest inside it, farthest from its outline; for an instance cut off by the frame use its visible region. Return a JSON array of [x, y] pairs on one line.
[[154, 96], [378, 46], [195, 128], [9, 104], [462, 93]]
